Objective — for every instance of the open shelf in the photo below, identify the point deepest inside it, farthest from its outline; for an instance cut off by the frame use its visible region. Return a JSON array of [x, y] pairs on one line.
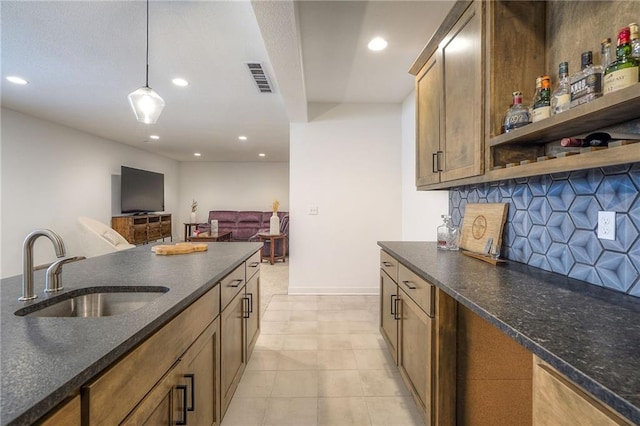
[[608, 110]]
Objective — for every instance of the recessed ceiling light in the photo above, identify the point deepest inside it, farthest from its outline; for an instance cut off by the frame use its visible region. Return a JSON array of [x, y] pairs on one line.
[[262, 154], [180, 82], [154, 137], [377, 43], [242, 138], [17, 80], [197, 154]]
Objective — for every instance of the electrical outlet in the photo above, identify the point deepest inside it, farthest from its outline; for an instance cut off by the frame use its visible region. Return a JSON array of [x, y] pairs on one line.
[[313, 210], [607, 225]]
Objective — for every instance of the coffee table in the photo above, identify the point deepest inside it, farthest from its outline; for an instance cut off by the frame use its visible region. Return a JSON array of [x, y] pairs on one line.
[[205, 237], [272, 242]]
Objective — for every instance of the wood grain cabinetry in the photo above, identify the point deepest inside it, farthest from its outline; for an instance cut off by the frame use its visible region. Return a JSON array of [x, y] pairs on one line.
[[513, 43], [142, 229], [557, 401], [68, 414], [239, 326], [388, 315], [449, 89]]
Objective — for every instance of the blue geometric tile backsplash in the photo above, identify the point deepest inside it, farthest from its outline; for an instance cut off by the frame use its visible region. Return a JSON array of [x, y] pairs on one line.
[[552, 223]]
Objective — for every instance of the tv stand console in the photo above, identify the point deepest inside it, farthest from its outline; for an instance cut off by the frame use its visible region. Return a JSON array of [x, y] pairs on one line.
[[143, 228]]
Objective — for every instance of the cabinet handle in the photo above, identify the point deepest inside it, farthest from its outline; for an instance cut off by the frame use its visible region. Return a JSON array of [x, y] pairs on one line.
[[237, 283], [246, 313], [395, 314], [387, 264], [254, 264], [438, 160], [409, 285], [183, 421], [250, 302], [393, 303], [434, 162], [192, 377]]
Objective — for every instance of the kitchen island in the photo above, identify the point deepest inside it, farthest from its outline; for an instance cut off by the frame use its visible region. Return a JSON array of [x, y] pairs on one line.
[[588, 334], [45, 360]]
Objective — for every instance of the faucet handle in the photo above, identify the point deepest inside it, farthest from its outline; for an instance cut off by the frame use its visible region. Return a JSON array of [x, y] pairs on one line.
[[52, 282]]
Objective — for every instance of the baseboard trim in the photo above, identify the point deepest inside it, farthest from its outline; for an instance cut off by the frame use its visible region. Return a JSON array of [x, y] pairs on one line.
[[334, 291]]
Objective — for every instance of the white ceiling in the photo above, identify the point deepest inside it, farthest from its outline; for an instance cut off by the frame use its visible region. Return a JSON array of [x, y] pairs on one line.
[[82, 59]]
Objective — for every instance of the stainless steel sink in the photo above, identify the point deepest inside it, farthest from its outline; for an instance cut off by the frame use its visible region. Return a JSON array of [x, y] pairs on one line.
[[94, 302]]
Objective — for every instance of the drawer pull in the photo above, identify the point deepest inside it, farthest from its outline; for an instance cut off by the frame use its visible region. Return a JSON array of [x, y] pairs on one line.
[[250, 302], [245, 308], [395, 314], [237, 283], [409, 285], [254, 264], [183, 388], [192, 378], [393, 303], [387, 264]]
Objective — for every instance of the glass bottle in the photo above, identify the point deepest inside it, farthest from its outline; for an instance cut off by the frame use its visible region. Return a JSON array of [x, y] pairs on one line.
[[625, 70], [453, 239], [605, 52], [443, 232], [586, 84], [635, 40], [517, 115], [541, 106], [561, 97]]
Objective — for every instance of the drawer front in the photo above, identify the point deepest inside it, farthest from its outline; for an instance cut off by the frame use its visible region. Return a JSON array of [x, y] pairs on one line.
[[419, 290], [252, 265], [389, 265], [231, 285]]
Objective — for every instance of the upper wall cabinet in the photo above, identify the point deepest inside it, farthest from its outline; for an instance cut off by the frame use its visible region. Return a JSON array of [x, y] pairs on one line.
[[449, 90], [484, 51]]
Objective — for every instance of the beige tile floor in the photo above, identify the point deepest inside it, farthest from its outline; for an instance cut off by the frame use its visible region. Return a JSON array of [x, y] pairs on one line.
[[320, 360]]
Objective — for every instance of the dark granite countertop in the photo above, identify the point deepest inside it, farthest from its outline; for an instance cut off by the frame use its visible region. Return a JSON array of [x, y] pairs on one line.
[[44, 360], [590, 334]]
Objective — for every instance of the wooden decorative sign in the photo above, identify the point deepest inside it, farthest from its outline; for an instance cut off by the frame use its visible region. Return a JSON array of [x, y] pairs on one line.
[[482, 221]]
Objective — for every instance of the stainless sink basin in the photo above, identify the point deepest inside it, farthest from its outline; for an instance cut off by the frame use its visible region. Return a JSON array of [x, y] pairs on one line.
[[94, 302]]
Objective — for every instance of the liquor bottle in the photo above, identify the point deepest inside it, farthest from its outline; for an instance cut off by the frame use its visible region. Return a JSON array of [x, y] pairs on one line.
[[605, 52], [443, 232], [561, 97], [541, 106], [635, 40], [625, 70], [594, 139], [586, 84], [517, 115]]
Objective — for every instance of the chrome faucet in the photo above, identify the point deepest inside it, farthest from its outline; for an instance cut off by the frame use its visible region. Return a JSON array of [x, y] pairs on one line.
[[27, 258], [54, 272]]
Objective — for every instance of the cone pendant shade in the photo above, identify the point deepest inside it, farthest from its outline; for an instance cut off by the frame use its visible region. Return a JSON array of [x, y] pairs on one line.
[[146, 104]]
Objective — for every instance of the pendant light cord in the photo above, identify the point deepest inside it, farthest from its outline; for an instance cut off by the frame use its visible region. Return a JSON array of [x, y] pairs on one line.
[[147, 80]]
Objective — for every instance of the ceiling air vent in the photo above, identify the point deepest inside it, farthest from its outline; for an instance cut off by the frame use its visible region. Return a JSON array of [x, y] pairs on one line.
[[259, 76]]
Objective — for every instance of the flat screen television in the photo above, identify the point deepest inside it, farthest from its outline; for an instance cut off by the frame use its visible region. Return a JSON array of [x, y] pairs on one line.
[[141, 191]]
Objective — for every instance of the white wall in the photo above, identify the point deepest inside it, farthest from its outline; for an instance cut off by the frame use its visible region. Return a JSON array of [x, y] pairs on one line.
[[52, 174], [345, 161], [231, 186], [421, 210]]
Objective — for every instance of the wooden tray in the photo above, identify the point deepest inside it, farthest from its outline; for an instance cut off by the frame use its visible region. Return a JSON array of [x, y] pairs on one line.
[[179, 248], [481, 222]]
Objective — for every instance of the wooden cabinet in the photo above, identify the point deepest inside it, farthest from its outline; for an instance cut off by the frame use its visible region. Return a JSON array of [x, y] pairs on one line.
[[68, 414], [449, 92], [557, 401], [518, 41], [388, 315], [239, 326], [415, 353], [142, 229]]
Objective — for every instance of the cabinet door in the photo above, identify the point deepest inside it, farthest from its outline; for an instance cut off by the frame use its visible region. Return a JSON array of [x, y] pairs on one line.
[[67, 414], [252, 312], [388, 305], [232, 348], [163, 405], [559, 402], [461, 56], [415, 352], [429, 103], [200, 375]]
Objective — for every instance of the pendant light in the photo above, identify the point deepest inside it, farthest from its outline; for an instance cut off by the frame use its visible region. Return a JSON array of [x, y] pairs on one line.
[[145, 102]]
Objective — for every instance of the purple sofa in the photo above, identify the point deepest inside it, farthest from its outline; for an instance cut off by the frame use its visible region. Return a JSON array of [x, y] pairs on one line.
[[242, 224]]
